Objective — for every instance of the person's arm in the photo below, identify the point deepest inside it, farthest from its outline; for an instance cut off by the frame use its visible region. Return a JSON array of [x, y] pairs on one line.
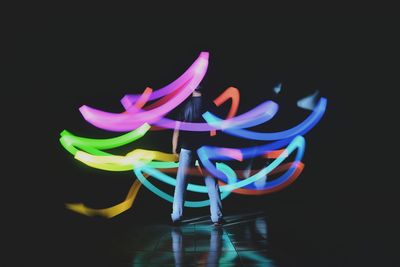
[[175, 137]]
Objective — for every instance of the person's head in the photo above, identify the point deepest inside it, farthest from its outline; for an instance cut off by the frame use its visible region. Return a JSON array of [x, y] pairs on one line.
[[197, 91]]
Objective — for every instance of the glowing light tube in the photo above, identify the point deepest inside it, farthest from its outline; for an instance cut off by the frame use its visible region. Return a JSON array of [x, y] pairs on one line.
[[124, 163], [109, 212], [92, 156], [294, 170], [299, 129], [297, 143], [193, 204], [139, 117], [208, 153], [128, 100], [126, 122], [105, 161], [141, 101], [70, 139], [119, 208], [229, 93], [205, 159], [260, 114]]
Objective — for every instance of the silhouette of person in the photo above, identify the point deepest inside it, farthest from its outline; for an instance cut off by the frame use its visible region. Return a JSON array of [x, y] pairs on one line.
[[189, 142]]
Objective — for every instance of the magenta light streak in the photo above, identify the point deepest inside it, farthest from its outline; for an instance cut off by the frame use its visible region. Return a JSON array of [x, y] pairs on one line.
[[120, 122], [129, 99], [255, 116]]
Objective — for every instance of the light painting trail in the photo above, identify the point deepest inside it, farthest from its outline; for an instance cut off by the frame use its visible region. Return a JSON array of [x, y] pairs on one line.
[[140, 116]]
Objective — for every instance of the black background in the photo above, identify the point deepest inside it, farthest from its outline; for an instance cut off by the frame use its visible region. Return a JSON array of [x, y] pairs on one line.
[[335, 209]]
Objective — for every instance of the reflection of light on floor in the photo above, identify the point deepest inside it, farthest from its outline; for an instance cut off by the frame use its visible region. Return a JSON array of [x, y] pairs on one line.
[[242, 241], [231, 219], [261, 225]]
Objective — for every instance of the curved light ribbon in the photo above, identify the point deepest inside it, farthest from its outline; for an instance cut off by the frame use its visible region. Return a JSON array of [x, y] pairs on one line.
[[141, 101], [117, 209], [208, 153], [129, 99], [299, 129], [297, 143], [169, 180], [120, 163], [260, 114], [230, 93], [110, 211], [125, 121], [139, 117], [293, 170], [70, 141]]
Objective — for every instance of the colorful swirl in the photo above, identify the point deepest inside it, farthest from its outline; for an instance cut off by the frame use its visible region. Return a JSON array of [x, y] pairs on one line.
[[140, 116]]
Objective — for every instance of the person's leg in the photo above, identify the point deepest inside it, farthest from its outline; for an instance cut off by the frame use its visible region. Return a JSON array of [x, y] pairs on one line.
[[177, 245], [215, 250], [215, 198], [185, 157]]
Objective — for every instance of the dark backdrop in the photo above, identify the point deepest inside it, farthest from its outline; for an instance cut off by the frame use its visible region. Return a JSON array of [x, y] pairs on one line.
[[64, 63]]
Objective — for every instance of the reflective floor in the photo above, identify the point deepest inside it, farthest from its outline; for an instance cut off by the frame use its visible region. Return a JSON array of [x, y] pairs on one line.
[[285, 239], [242, 241]]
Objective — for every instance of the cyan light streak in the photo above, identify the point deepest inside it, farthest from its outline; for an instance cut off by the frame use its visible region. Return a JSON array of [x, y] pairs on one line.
[[171, 181]]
